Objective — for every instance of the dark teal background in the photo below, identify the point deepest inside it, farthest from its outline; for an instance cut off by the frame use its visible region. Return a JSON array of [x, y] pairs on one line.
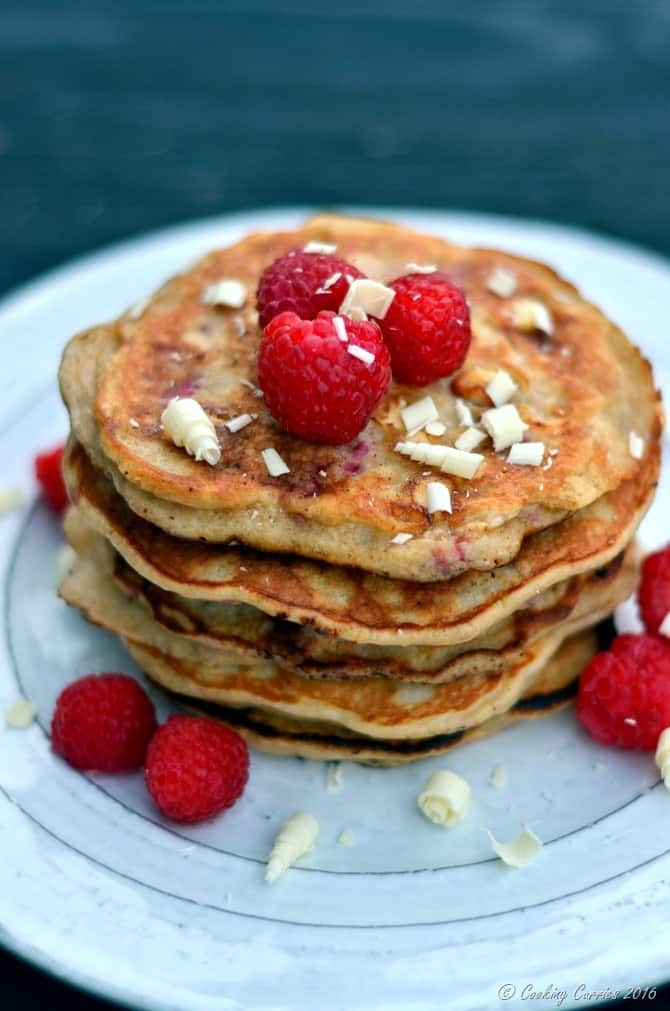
[[117, 117]]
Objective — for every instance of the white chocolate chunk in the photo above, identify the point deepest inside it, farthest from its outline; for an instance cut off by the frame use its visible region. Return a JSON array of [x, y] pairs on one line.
[[370, 296], [334, 777], [228, 291], [526, 454], [418, 414], [296, 838], [461, 464], [530, 314], [445, 798], [504, 425], [340, 328], [20, 714], [327, 248], [420, 268], [470, 439], [663, 756], [464, 413], [250, 386], [438, 498], [401, 538], [346, 838], [238, 423], [133, 422], [65, 562], [274, 463], [357, 314], [636, 445], [363, 356], [502, 282], [498, 777], [664, 627], [435, 428], [502, 388], [187, 425], [10, 499], [520, 851]]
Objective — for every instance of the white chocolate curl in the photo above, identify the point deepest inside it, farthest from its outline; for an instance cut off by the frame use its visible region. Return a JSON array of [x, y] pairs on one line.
[[187, 425], [663, 756], [445, 798], [296, 838]]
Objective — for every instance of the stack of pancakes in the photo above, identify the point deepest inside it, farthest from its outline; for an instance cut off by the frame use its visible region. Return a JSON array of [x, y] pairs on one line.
[[287, 606]]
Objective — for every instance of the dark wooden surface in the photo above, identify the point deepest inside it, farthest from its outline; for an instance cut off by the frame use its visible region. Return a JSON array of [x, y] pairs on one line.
[[117, 117]]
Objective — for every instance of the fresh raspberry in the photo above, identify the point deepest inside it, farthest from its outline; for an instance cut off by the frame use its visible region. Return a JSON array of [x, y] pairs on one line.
[[103, 722], [654, 593], [50, 476], [195, 768], [624, 694], [303, 283], [312, 384], [427, 328]]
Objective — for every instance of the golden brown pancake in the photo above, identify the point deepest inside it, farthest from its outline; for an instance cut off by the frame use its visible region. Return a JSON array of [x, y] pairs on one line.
[[355, 606], [582, 392], [378, 708], [553, 689], [298, 648]]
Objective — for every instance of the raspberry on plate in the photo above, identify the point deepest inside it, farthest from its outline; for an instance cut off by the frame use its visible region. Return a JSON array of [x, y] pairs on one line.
[[50, 477], [654, 592], [323, 378], [426, 328], [195, 768], [624, 694], [103, 723], [303, 283]]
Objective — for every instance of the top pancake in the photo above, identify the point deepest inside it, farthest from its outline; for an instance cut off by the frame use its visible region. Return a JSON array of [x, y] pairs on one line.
[[582, 392]]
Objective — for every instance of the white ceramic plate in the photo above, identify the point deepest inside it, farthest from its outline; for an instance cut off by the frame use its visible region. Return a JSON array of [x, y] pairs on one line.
[[97, 888]]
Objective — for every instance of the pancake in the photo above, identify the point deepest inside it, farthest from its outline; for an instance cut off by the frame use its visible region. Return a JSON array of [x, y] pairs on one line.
[[300, 649], [375, 707], [356, 606], [553, 689], [581, 392]]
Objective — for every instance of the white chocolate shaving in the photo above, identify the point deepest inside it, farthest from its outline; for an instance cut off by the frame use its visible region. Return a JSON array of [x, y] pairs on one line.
[[504, 425], [501, 282], [502, 388], [520, 851], [20, 714], [363, 356], [370, 296], [464, 413], [530, 314], [274, 463], [438, 498], [663, 756], [420, 268], [418, 414], [445, 799], [10, 499], [470, 439], [187, 425], [636, 445], [329, 282], [238, 423], [435, 428], [401, 538], [346, 838], [228, 291], [526, 454], [327, 248], [340, 328], [296, 838]]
